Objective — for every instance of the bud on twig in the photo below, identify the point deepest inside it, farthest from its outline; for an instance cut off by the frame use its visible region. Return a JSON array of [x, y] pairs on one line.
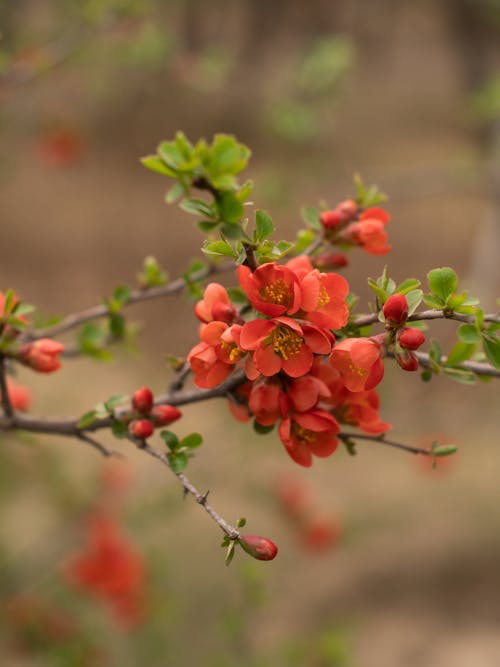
[[141, 428], [396, 309], [142, 400], [259, 547]]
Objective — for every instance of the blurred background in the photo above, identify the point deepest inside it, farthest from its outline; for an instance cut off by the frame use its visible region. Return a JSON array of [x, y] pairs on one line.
[[402, 565]]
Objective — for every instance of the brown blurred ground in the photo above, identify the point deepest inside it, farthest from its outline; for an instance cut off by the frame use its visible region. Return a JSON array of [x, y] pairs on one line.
[[417, 575]]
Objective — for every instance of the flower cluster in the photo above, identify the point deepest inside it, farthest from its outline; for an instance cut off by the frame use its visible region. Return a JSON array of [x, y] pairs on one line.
[[298, 376], [349, 225], [406, 339], [146, 416], [111, 569]]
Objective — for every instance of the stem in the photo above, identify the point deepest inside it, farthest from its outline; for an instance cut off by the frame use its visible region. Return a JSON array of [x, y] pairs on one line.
[[364, 320], [381, 439], [6, 404]]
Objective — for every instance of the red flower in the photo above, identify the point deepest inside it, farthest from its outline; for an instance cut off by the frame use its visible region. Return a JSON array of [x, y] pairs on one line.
[[361, 409], [323, 299], [19, 396], [111, 569], [42, 355], [267, 402], [369, 232], [282, 344], [330, 260], [396, 309], [213, 359], [215, 305], [308, 433], [358, 362], [271, 289]]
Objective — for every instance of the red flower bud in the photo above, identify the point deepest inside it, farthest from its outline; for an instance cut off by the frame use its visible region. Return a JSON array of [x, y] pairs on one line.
[[347, 210], [330, 219], [142, 400], [141, 428], [331, 260], [407, 361], [396, 309], [259, 547], [42, 355], [163, 415], [411, 338], [224, 312]]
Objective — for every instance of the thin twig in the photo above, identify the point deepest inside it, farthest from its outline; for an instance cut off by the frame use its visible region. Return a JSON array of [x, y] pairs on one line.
[[5, 398], [365, 320], [381, 439]]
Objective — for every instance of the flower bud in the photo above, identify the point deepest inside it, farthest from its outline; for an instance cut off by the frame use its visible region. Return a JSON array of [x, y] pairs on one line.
[[163, 415], [330, 260], [407, 361], [396, 309], [259, 547], [347, 210], [141, 428], [411, 338], [330, 219], [142, 400], [42, 355], [223, 312]]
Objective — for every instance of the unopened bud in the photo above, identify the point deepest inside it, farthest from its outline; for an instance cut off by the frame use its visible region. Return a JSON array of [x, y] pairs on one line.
[[163, 415], [224, 312], [347, 210], [42, 355], [411, 338], [396, 309], [407, 361], [141, 428], [331, 260], [259, 547], [330, 219], [142, 400]]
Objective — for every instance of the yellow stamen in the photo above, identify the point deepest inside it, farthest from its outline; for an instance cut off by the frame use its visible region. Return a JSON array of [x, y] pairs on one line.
[[303, 434], [323, 297], [357, 369], [278, 293], [286, 342]]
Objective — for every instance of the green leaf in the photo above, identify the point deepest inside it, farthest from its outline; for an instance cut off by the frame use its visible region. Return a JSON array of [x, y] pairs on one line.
[[191, 441], [434, 301], [443, 282], [156, 164], [408, 285], [177, 190], [468, 333], [101, 411], [87, 419], [370, 196], [229, 553], [443, 450], [152, 275], [122, 294], [9, 302], [21, 309], [119, 429], [178, 461], [117, 325], [222, 248], [228, 155], [241, 523], [237, 295], [207, 225], [263, 226], [414, 298], [460, 375], [197, 207], [311, 216], [426, 375], [114, 401], [170, 439], [230, 208], [381, 293], [460, 352], [491, 347]]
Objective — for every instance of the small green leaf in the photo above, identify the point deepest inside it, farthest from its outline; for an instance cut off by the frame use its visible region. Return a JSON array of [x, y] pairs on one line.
[[230, 208], [426, 375], [152, 275], [229, 553], [178, 461], [156, 164], [311, 217], [207, 225], [114, 401], [408, 285], [241, 523], [468, 333], [87, 419], [414, 298], [197, 207], [443, 282], [176, 191], [263, 226], [22, 309], [381, 293], [119, 429], [434, 301], [117, 325], [460, 375], [170, 439], [237, 295], [191, 441], [443, 450], [222, 248], [9, 302], [460, 352], [491, 347]]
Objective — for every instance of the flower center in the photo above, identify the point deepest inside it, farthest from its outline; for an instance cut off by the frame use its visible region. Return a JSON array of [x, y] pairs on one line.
[[302, 434], [357, 370], [323, 297], [278, 293], [231, 351], [286, 342]]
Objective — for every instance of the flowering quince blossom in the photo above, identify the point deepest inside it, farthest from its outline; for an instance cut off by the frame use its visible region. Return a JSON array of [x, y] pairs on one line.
[[308, 433], [271, 289], [213, 359], [359, 363], [215, 305], [110, 568], [42, 355], [283, 344], [369, 231], [19, 396]]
